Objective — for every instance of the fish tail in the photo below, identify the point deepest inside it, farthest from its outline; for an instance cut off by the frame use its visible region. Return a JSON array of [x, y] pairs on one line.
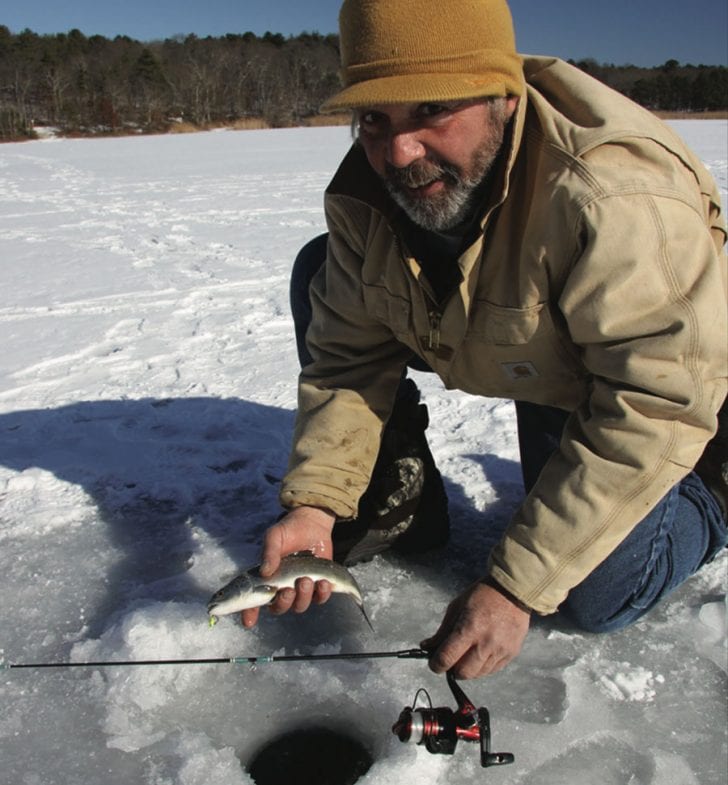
[[364, 614]]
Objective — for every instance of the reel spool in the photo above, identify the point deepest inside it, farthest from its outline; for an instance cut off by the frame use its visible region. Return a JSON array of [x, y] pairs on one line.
[[440, 729]]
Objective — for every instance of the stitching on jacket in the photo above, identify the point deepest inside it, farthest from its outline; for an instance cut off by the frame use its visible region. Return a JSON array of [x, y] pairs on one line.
[[596, 534]]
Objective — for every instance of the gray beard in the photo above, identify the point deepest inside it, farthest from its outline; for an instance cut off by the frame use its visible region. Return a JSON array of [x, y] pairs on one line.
[[457, 202]]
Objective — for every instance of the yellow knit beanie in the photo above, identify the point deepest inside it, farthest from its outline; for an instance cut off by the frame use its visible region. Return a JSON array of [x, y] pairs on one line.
[[413, 51]]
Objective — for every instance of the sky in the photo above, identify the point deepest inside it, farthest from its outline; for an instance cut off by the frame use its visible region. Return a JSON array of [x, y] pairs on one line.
[[641, 32]]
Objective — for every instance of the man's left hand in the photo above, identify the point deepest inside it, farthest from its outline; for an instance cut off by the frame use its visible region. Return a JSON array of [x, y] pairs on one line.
[[481, 633]]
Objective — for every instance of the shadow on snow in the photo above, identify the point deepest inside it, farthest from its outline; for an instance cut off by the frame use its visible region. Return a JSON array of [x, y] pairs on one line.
[[160, 472]]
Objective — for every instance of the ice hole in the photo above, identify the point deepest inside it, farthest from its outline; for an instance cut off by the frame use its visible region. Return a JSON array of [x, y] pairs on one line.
[[310, 756]]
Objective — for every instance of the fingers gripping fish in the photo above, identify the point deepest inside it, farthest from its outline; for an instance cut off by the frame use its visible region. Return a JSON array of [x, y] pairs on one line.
[[250, 590]]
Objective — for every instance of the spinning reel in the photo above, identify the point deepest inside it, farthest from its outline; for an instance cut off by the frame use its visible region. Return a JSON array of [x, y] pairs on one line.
[[440, 729]]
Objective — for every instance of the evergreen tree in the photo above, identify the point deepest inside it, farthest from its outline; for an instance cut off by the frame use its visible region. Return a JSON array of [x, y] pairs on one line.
[[95, 84]]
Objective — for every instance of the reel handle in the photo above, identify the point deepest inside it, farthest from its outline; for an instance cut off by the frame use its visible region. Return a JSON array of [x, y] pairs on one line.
[[488, 758]]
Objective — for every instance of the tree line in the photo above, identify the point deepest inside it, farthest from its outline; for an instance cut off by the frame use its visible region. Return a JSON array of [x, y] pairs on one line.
[[670, 87], [93, 85]]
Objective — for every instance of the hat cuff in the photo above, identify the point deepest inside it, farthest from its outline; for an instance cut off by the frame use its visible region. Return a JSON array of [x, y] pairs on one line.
[[423, 88]]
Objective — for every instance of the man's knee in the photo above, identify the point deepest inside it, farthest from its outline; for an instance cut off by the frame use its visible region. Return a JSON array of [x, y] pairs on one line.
[[306, 265], [308, 260], [591, 619]]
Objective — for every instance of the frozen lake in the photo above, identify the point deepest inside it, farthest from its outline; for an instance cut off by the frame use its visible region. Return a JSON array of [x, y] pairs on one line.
[[147, 388]]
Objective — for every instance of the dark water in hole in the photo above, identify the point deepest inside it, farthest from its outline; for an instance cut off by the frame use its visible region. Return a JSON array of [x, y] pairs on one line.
[[310, 756]]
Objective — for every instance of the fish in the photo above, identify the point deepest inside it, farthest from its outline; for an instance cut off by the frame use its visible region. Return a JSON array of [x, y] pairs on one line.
[[251, 590]]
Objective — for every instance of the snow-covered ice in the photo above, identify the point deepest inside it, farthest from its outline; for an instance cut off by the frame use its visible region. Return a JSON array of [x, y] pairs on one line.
[[147, 388]]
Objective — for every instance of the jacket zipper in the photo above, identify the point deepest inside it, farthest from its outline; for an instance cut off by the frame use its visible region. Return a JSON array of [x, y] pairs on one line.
[[434, 316], [433, 337]]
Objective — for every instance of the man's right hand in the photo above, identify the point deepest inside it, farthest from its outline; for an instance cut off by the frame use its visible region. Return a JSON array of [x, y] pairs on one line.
[[302, 529]]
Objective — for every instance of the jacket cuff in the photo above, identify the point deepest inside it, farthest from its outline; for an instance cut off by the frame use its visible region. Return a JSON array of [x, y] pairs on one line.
[[489, 580], [290, 499]]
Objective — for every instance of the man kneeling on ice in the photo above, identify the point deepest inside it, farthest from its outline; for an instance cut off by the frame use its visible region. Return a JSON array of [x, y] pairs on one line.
[[524, 232]]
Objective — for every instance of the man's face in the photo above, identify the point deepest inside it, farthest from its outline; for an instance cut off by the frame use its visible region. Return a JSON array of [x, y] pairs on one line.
[[433, 156]]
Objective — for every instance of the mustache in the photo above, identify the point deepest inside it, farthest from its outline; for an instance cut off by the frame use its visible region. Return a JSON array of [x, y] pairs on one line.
[[420, 173]]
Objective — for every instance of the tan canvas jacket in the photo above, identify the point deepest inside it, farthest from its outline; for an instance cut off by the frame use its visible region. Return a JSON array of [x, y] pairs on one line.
[[598, 285]]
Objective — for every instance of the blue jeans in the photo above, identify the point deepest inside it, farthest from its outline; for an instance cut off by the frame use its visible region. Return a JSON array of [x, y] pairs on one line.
[[681, 534]]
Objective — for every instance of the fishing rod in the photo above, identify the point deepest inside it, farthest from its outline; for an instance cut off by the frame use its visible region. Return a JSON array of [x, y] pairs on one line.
[[405, 654], [437, 729]]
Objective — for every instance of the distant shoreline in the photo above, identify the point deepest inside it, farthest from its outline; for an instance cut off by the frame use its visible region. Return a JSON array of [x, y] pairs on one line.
[[260, 124], [719, 115]]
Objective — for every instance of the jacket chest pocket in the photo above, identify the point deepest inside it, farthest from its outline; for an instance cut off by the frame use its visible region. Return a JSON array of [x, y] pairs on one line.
[[504, 326], [524, 342], [391, 310]]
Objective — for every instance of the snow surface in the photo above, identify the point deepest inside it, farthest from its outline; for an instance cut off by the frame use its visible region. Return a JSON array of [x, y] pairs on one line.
[[147, 388]]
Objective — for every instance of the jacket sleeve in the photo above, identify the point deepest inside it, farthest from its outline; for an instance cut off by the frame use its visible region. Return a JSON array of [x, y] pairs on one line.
[[346, 395], [645, 302]]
